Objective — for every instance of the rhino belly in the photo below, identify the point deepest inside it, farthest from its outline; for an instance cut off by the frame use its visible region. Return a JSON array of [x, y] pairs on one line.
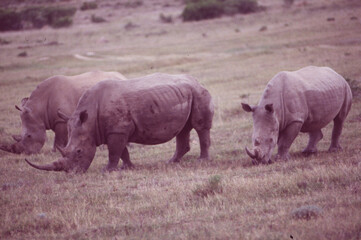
[[157, 125], [322, 109]]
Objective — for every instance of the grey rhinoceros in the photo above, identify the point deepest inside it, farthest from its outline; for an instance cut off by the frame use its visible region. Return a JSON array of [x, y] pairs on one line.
[[148, 110], [301, 101], [39, 111]]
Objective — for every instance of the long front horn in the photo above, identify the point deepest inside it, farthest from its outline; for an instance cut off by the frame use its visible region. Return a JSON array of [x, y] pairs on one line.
[[250, 154], [55, 166]]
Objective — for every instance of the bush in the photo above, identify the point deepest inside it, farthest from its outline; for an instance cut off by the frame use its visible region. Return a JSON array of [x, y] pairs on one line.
[[9, 20], [203, 9], [196, 10], [96, 19], [59, 16], [62, 22], [34, 15], [88, 6]]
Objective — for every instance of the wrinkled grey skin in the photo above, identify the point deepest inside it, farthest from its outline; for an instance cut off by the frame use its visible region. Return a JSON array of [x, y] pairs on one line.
[[301, 101], [149, 110], [39, 112]]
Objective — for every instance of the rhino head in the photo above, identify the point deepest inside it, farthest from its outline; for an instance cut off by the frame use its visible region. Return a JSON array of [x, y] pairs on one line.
[[265, 132], [80, 149], [33, 133]]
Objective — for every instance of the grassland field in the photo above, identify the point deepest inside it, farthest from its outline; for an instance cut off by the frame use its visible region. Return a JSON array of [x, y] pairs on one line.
[[224, 198]]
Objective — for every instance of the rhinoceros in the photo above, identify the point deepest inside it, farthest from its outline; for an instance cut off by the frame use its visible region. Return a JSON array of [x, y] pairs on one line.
[[301, 101], [147, 110], [39, 111]]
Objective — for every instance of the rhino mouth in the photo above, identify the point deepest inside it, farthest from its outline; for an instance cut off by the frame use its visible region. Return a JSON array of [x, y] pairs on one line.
[[257, 157]]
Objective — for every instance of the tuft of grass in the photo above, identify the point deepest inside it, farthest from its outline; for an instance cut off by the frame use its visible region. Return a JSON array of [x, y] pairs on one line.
[[211, 187]]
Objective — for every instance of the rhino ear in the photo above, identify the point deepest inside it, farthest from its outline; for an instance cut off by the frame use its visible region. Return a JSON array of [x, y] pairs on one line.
[[83, 116], [63, 115], [16, 106], [247, 107], [269, 108]]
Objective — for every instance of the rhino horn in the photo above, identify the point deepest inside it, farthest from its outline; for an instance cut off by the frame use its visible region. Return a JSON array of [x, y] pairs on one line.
[[61, 150], [55, 166], [17, 137], [5, 148], [253, 156]]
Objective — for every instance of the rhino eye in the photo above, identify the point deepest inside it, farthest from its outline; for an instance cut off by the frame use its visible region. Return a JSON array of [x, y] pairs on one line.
[[29, 136], [78, 151], [269, 140]]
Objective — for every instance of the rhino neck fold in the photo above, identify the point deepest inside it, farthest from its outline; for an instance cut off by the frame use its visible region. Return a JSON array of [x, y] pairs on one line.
[[99, 134], [275, 94]]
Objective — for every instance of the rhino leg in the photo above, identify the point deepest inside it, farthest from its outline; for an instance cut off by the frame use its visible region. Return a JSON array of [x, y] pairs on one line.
[[61, 135], [117, 149], [314, 138], [182, 145], [336, 133], [126, 160], [205, 143], [286, 138]]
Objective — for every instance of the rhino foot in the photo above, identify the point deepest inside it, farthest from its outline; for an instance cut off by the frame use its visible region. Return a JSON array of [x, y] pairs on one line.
[[284, 157], [127, 166], [335, 148], [309, 152]]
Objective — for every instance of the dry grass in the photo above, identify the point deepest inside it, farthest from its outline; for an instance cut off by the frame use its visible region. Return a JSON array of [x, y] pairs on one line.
[[225, 198]]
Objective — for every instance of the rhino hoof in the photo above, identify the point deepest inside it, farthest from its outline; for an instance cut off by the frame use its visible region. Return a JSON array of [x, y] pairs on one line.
[[127, 166]]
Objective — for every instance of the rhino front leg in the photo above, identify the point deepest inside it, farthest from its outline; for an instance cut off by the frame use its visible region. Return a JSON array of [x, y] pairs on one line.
[[182, 145], [286, 138], [117, 149], [314, 138], [61, 136], [336, 133]]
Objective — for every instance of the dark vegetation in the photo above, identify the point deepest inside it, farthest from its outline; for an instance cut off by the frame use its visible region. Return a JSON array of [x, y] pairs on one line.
[[196, 10], [36, 17], [88, 6]]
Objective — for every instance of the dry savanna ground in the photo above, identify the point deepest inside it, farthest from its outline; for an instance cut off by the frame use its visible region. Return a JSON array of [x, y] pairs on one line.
[[224, 198]]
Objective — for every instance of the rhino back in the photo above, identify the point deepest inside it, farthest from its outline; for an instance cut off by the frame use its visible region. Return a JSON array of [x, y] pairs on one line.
[[151, 110], [63, 92]]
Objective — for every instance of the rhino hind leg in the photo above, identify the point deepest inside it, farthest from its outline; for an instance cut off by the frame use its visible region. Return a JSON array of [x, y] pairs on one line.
[[182, 144], [205, 143], [314, 138], [336, 133]]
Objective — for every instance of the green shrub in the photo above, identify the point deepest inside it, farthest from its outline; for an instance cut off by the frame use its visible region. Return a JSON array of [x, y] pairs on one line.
[[9, 20], [88, 6], [34, 15], [96, 19], [196, 10], [203, 9], [62, 22], [240, 6], [59, 16]]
